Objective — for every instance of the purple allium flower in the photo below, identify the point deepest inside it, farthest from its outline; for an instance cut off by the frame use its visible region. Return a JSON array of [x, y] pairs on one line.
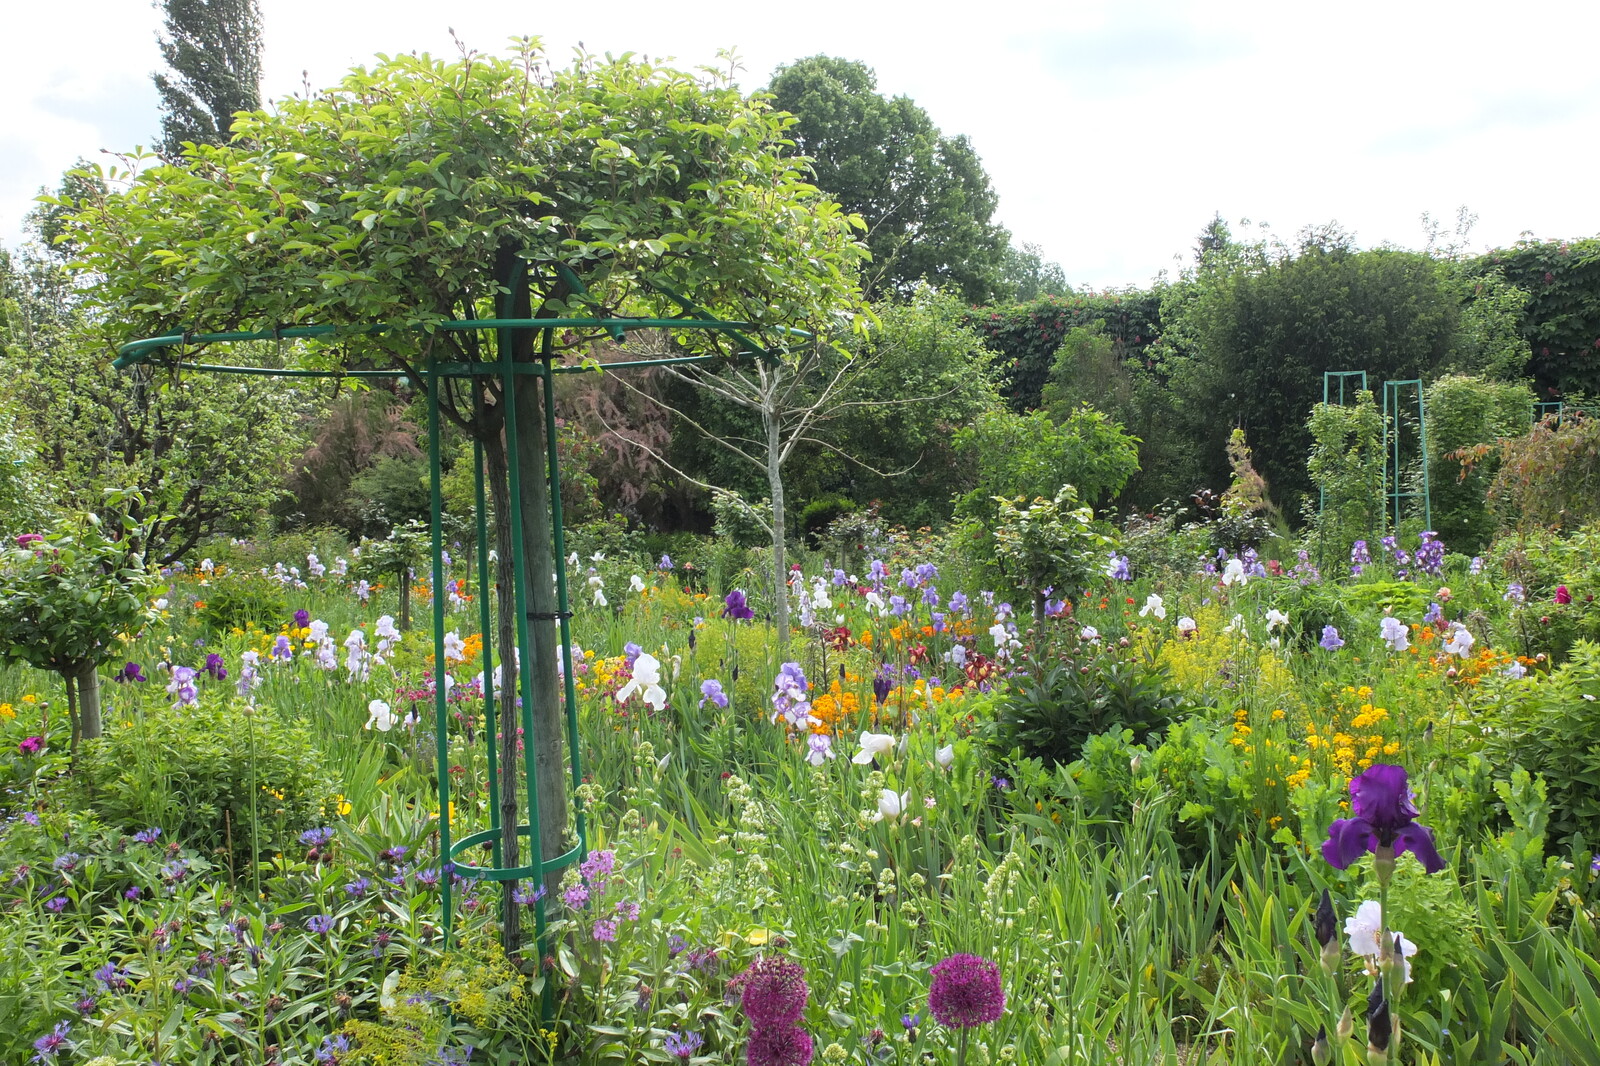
[[57, 905], [147, 836], [302, 618], [773, 991], [130, 672], [711, 689], [1331, 639], [683, 1045], [316, 838], [780, 1045], [321, 924], [966, 992], [1384, 822], [604, 930], [31, 746], [50, 1044], [736, 607]]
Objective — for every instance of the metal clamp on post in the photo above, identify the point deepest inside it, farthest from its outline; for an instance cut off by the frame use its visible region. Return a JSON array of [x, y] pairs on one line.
[[548, 616]]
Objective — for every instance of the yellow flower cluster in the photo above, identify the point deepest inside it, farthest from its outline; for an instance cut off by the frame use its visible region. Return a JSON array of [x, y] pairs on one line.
[[1347, 738]]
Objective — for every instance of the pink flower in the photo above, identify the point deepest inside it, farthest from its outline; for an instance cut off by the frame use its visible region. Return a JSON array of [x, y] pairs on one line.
[[1562, 595], [31, 746], [966, 992]]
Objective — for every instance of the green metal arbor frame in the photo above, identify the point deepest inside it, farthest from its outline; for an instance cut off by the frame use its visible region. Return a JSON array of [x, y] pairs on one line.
[[1392, 491], [507, 371]]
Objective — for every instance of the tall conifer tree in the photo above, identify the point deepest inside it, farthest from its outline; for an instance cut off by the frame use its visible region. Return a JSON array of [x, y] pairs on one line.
[[213, 54]]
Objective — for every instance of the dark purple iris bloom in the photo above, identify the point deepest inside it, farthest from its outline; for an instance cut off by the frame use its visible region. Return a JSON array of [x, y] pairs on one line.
[[1384, 818], [302, 618], [881, 686], [215, 668], [131, 672], [734, 606]]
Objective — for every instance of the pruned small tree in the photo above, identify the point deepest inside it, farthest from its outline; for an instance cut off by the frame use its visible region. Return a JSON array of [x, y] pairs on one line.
[[66, 596], [421, 190], [1048, 544]]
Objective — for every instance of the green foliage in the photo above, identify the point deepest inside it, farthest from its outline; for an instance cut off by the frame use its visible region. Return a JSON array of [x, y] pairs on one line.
[[1464, 413], [818, 515], [208, 775], [1551, 476], [924, 197], [66, 597], [606, 166], [1047, 543], [1346, 464], [238, 599], [1030, 455], [1248, 344], [1057, 706], [919, 376], [394, 490], [1028, 337], [1026, 275], [213, 51], [1553, 730], [1561, 322]]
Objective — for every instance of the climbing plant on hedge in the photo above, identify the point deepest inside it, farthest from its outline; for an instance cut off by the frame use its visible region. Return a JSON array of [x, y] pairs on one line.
[[1562, 317]]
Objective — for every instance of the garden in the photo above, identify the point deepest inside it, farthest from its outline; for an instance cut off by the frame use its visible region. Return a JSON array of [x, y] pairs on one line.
[[495, 770]]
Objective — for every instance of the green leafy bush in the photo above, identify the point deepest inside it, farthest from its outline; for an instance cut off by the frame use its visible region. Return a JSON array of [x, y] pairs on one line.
[[235, 600], [1052, 713], [1553, 730], [209, 776]]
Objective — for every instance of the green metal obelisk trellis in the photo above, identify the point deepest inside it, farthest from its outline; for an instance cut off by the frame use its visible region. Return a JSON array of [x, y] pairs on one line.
[[1393, 462], [511, 376]]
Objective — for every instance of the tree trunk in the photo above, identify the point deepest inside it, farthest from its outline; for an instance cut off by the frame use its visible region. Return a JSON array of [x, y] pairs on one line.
[[780, 564], [404, 580], [70, 679], [549, 721], [89, 701], [1039, 600], [505, 643]]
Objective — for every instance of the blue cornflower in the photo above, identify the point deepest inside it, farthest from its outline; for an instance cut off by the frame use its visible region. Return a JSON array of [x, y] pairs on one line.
[[358, 887], [683, 1045], [321, 924], [50, 1044], [332, 1047], [147, 836], [315, 838]]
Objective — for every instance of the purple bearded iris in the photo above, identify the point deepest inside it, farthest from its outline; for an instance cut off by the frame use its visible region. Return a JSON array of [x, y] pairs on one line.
[[735, 606], [1384, 822]]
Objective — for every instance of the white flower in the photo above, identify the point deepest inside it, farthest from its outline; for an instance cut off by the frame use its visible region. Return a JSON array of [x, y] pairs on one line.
[[998, 632], [386, 628], [598, 557], [891, 805], [873, 744], [945, 756], [600, 598], [1393, 632], [380, 716], [1235, 625], [646, 679], [1153, 604], [1363, 927], [662, 763], [1187, 626], [455, 649], [1089, 633], [572, 560], [636, 583], [1233, 573], [1515, 670], [1460, 642], [160, 604], [875, 601], [319, 630]]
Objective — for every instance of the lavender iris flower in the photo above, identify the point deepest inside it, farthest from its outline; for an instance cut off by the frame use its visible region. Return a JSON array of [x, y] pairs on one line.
[[736, 607]]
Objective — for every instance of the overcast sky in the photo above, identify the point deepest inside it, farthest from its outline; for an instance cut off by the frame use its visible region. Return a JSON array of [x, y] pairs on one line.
[[1112, 130]]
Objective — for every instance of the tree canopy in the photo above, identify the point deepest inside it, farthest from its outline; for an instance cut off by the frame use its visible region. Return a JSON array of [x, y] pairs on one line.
[[925, 197]]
